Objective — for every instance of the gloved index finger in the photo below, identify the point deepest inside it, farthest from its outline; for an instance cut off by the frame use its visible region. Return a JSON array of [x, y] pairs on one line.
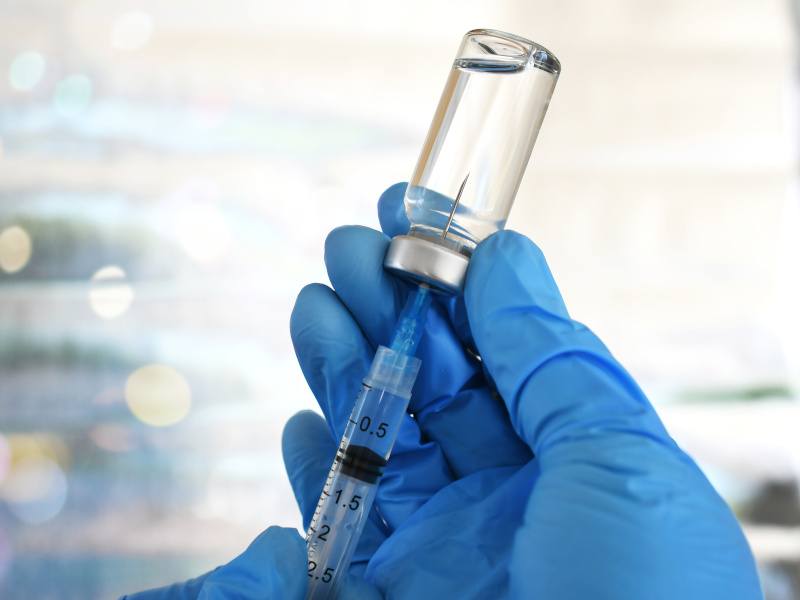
[[553, 373]]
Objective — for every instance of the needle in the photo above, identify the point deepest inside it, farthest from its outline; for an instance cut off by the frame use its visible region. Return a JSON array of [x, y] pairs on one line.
[[455, 206]]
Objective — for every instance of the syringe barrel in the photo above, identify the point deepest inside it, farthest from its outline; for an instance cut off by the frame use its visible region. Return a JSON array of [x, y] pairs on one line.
[[352, 483]]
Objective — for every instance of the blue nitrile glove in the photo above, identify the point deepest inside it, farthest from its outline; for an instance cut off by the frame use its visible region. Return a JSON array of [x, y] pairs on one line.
[[540, 471], [267, 569]]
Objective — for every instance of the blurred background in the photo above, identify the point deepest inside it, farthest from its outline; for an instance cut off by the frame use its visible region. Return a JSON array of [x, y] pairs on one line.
[[169, 171]]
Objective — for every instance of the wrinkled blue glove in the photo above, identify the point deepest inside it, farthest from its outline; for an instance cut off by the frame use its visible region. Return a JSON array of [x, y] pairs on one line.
[[539, 470]]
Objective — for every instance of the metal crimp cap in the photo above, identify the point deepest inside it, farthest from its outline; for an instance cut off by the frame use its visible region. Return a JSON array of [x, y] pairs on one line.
[[424, 261]]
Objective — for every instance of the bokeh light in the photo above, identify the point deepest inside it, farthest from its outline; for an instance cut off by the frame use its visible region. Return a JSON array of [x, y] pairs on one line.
[[73, 95], [26, 71], [35, 485], [15, 249], [132, 30], [110, 295], [37, 445], [158, 395], [35, 489]]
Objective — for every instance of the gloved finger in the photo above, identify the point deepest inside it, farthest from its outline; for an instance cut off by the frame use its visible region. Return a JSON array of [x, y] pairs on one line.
[[448, 377], [331, 350], [637, 513], [186, 590], [308, 451], [556, 377], [334, 357], [474, 431], [273, 566], [392, 212], [458, 549]]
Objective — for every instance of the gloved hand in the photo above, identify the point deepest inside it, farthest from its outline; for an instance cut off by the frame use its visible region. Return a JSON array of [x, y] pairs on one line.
[[539, 470]]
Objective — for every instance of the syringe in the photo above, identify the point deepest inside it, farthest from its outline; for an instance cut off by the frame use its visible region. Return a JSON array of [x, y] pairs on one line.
[[352, 483]]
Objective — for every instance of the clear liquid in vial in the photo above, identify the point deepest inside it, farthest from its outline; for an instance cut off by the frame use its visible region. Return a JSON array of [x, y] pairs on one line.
[[483, 131]]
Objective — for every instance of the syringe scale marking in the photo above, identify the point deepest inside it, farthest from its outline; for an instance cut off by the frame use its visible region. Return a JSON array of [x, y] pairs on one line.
[[372, 427]]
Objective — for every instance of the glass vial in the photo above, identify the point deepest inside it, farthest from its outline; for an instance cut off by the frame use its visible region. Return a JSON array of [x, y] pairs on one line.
[[475, 154]]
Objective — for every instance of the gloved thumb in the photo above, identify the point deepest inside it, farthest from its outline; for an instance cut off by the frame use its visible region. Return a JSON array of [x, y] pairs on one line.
[[271, 567], [555, 376]]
